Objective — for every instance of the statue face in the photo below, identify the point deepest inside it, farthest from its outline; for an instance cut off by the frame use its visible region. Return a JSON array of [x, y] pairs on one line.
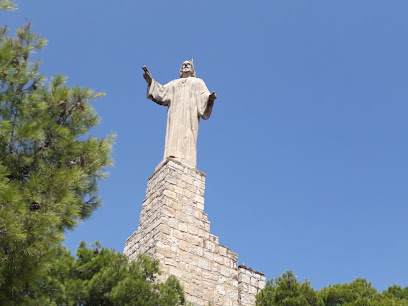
[[187, 69]]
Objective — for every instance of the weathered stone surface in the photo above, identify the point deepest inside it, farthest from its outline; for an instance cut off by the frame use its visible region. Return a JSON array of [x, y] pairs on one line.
[[249, 284], [174, 229], [188, 100]]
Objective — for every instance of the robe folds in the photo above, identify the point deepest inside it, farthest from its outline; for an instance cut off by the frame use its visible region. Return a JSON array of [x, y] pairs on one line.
[[187, 100]]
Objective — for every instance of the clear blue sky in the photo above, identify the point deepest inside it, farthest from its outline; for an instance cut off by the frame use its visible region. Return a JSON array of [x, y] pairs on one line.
[[306, 150]]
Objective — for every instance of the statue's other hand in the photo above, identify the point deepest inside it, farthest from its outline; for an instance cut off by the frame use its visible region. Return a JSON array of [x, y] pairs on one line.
[[147, 76], [213, 96]]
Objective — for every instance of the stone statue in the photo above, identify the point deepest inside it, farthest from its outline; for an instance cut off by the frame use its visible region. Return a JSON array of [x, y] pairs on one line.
[[188, 100]]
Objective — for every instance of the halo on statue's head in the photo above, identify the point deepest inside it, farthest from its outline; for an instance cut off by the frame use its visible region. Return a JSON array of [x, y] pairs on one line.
[[192, 64]]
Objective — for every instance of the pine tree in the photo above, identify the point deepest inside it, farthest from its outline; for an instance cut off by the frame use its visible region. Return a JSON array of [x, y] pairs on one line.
[[102, 276], [286, 290], [49, 166], [7, 5], [360, 292]]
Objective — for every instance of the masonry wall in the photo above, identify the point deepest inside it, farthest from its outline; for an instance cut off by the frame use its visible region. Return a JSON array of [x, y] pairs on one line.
[[249, 284], [174, 229]]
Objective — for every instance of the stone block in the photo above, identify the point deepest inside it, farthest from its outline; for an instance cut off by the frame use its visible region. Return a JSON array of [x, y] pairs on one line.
[[184, 245], [197, 241], [176, 233], [178, 190], [192, 229], [225, 271], [171, 180], [194, 260], [187, 210], [170, 194], [165, 229], [177, 206], [214, 239], [209, 276], [199, 250], [170, 262], [187, 178], [174, 229], [220, 289], [209, 296], [218, 258], [199, 199], [244, 278], [182, 227], [198, 292], [222, 250], [209, 255], [185, 257], [222, 280], [203, 233], [176, 272], [165, 250], [233, 294], [168, 211], [176, 166], [200, 206], [203, 264], [246, 299], [173, 223], [190, 219]]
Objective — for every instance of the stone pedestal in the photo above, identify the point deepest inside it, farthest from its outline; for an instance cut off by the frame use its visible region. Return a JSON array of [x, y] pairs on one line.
[[174, 229]]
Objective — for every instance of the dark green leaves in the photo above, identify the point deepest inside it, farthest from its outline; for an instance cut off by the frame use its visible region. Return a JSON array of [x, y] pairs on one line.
[[287, 290], [49, 165], [103, 277]]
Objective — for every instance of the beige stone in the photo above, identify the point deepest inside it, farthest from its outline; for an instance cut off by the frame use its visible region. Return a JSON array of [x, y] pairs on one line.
[[244, 278], [188, 100], [174, 229], [183, 227], [203, 263]]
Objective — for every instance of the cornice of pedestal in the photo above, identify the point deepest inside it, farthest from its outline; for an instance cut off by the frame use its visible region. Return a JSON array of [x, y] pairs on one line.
[[170, 160]]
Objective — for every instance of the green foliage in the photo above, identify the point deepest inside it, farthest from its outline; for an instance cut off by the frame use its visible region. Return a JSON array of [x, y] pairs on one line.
[[286, 290], [397, 292], [360, 292], [103, 277], [7, 5], [356, 292], [49, 168]]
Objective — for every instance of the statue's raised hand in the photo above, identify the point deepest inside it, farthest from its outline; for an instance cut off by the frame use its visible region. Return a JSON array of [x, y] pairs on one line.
[[212, 96], [147, 76]]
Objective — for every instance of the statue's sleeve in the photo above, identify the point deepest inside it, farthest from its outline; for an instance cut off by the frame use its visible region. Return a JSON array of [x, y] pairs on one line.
[[161, 94], [205, 105]]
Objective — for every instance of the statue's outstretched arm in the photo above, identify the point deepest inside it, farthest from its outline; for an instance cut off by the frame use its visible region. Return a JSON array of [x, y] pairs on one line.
[[161, 94], [212, 96], [147, 75]]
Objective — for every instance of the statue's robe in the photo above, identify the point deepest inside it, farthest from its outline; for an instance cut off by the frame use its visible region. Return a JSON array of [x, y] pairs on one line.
[[187, 100]]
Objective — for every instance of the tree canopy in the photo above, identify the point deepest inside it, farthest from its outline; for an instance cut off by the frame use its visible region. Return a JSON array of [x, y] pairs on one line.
[[49, 165], [49, 172], [101, 276], [289, 291]]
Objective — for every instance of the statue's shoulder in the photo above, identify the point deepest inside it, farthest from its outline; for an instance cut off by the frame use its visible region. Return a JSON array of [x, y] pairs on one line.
[[198, 80], [173, 81]]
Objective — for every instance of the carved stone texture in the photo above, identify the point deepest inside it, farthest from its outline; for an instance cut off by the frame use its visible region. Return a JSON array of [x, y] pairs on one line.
[[188, 100], [249, 284], [174, 229]]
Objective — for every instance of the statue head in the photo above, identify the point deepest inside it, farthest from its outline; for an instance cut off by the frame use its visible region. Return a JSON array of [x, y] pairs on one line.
[[187, 69]]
